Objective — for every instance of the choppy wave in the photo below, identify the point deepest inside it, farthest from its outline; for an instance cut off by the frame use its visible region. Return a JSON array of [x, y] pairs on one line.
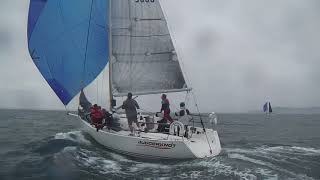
[[264, 162], [286, 161], [75, 136], [57, 143], [89, 160], [97, 162], [219, 167]]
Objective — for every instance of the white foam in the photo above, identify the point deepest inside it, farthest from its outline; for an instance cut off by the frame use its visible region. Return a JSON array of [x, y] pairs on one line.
[[92, 160], [108, 165], [89, 159], [291, 150], [244, 158], [155, 168], [119, 157], [267, 174], [183, 176], [284, 154], [218, 168], [309, 151], [164, 178], [195, 174], [75, 136], [267, 164], [69, 149], [284, 149], [260, 152]]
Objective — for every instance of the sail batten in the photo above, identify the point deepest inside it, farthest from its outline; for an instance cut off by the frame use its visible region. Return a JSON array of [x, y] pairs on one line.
[[144, 58], [141, 36], [154, 92]]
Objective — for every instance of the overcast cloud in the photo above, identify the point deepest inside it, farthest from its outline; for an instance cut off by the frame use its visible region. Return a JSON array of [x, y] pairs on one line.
[[237, 54]]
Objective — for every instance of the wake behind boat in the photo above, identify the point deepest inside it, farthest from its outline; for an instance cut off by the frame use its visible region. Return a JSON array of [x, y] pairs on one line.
[[71, 42]]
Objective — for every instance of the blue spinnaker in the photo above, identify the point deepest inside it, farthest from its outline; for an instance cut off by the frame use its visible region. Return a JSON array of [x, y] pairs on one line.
[[68, 42], [265, 107]]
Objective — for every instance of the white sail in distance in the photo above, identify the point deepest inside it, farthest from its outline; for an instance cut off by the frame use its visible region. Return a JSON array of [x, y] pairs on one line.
[[144, 60]]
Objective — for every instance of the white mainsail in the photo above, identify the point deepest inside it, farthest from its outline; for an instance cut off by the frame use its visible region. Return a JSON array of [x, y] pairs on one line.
[[143, 60]]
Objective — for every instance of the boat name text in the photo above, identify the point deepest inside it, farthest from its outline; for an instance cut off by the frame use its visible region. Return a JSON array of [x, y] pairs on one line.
[[159, 145]]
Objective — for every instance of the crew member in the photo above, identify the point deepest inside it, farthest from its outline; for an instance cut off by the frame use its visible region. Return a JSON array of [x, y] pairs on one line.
[[96, 116], [165, 107], [130, 106], [184, 114]]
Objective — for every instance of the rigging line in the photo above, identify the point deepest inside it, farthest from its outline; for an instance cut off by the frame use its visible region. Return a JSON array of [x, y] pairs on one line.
[[195, 100], [102, 88], [97, 90], [186, 99], [86, 51]]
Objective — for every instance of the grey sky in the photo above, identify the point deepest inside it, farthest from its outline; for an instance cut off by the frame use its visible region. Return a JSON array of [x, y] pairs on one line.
[[237, 54]]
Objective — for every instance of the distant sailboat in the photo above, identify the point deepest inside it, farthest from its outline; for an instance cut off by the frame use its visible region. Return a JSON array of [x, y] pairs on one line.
[[267, 107], [270, 109], [72, 41]]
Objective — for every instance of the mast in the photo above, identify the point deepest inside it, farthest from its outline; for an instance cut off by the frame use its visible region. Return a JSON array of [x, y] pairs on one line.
[[110, 56]]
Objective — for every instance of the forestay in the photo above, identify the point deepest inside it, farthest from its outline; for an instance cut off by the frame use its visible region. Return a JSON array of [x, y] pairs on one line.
[[144, 59], [68, 42]]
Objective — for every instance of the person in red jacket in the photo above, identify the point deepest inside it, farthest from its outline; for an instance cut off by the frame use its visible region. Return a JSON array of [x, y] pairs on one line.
[[165, 107], [96, 115]]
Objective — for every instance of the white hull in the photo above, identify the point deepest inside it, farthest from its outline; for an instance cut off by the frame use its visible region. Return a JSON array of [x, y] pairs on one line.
[[156, 145]]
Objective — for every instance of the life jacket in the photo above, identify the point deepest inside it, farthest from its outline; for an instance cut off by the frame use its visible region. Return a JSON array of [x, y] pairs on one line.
[[165, 106], [96, 114]]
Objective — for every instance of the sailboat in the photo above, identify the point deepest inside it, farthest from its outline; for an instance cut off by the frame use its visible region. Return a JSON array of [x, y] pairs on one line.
[[267, 108], [72, 41]]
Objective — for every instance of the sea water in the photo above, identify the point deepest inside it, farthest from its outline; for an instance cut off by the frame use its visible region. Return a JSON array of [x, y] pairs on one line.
[[50, 145]]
